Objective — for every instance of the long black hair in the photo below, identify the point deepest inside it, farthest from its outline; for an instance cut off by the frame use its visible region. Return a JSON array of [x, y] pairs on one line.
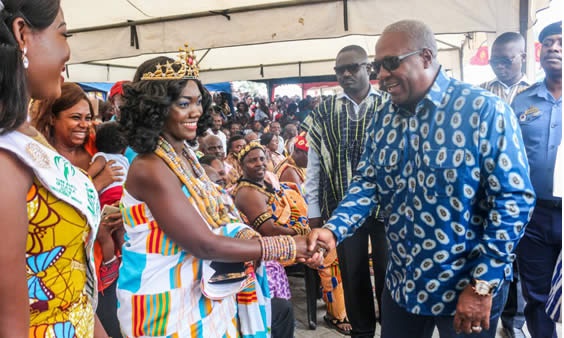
[[14, 97], [146, 109]]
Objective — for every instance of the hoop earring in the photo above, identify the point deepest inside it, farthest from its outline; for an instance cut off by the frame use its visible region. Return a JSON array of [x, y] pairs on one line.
[[24, 58]]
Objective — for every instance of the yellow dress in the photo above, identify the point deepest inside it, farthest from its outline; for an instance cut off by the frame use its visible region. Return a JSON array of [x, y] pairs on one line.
[[56, 267], [63, 215]]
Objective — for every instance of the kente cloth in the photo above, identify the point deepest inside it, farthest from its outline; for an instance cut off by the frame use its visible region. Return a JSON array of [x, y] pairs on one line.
[[275, 157], [329, 272], [288, 209], [159, 283], [338, 139], [159, 290], [287, 205], [332, 286], [63, 212], [289, 163]]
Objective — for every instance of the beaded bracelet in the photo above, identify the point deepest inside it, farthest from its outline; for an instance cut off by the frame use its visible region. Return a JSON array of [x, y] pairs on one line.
[[278, 248]]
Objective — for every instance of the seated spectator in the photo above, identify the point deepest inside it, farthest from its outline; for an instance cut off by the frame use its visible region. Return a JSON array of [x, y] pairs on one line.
[[215, 129], [292, 168], [275, 128], [234, 145], [235, 128], [212, 145], [290, 133], [270, 143], [268, 210], [213, 175], [217, 164], [262, 112], [251, 136], [115, 97]]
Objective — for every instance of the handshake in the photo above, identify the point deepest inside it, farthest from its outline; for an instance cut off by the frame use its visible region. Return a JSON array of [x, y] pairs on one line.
[[312, 248]]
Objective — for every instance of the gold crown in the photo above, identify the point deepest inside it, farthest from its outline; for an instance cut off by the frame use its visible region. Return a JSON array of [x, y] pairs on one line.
[[186, 65], [247, 149]]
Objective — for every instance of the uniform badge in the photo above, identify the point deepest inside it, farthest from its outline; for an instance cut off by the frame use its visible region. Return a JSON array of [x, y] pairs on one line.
[[532, 111]]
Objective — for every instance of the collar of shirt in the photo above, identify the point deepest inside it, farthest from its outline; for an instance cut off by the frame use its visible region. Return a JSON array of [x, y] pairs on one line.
[[524, 80], [540, 90], [435, 96], [371, 92]]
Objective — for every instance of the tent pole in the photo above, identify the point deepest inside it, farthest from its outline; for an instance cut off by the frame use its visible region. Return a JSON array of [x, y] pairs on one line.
[[524, 27], [346, 15]]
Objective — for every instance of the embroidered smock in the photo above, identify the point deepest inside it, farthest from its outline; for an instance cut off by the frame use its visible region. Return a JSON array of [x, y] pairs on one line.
[[452, 178]]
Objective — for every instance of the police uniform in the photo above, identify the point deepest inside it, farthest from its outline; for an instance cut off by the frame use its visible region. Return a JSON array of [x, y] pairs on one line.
[[540, 117]]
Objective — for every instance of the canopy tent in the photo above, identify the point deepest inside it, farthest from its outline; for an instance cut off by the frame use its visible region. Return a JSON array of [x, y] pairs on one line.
[[262, 39], [104, 87]]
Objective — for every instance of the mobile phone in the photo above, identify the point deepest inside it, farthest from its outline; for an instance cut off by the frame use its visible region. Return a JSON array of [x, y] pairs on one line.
[[108, 210]]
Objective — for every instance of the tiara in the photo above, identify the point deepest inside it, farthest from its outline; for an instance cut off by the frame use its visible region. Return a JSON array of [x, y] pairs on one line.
[[185, 63]]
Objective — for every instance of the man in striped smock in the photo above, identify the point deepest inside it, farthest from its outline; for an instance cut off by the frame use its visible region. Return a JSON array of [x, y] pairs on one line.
[[336, 137], [508, 55]]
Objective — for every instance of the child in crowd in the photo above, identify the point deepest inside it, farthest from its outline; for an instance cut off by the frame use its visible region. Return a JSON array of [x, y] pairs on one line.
[[111, 145]]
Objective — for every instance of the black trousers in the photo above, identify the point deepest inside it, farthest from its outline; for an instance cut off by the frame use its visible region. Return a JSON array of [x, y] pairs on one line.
[[355, 274], [107, 311], [282, 318], [513, 316]]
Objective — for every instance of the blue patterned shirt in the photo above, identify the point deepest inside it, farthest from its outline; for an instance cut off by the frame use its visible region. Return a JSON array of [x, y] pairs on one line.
[[453, 181], [540, 117]]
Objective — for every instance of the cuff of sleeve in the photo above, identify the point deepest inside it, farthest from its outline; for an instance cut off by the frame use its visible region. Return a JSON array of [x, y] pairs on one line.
[[494, 275], [313, 211], [333, 229]]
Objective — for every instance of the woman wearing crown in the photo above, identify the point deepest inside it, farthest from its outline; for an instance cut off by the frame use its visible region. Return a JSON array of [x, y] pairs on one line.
[[176, 218]]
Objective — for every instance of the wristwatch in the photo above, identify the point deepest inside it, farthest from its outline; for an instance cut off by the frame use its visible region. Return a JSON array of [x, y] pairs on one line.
[[481, 287]]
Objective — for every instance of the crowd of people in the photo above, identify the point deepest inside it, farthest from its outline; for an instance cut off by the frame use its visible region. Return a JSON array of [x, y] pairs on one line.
[[172, 212]]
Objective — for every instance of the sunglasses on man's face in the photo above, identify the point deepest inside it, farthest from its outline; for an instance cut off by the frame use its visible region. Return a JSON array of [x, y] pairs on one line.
[[352, 68], [502, 61], [391, 63]]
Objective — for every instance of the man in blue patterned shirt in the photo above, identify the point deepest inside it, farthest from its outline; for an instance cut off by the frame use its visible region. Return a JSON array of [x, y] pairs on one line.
[[446, 164]]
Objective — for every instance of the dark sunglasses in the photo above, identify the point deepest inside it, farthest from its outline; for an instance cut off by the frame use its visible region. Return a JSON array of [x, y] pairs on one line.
[[391, 63], [502, 60], [352, 68]]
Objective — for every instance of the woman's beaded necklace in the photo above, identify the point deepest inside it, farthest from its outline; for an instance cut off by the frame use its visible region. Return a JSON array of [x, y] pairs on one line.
[[204, 194]]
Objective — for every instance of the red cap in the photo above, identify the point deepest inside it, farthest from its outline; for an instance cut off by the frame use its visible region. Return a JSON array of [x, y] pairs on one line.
[[301, 143], [117, 88]]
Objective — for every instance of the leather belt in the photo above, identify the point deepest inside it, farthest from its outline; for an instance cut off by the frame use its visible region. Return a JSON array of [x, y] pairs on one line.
[[550, 204]]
